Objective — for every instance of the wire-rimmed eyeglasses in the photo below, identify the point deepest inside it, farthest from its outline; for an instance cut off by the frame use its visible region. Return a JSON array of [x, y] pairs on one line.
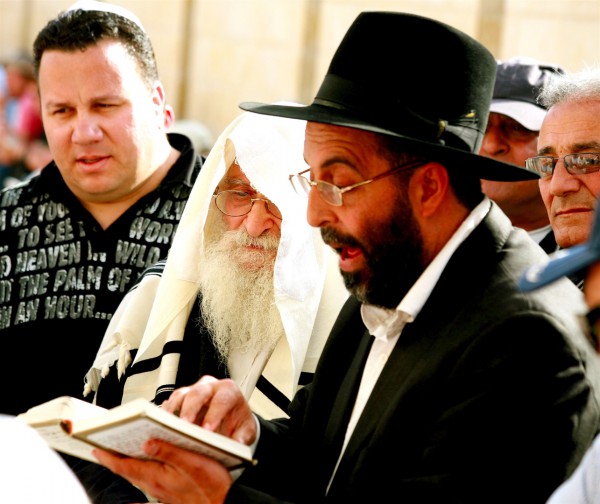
[[576, 164], [331, 193], [239, 203]]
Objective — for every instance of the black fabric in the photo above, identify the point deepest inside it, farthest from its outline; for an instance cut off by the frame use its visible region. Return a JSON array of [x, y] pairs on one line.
[[63, 276], [373, 83], [102, 485], [484, 385], [548, 243], [198, 357], [273, 393], [578, 278], [522, 81]]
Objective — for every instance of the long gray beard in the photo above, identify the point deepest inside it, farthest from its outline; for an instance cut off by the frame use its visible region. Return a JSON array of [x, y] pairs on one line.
[[237, 295]]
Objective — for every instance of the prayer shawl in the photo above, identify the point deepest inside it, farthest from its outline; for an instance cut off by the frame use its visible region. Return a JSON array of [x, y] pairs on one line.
[[309, 290]]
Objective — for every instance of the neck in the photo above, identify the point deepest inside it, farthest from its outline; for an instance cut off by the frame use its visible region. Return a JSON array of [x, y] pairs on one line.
[[107, 212]]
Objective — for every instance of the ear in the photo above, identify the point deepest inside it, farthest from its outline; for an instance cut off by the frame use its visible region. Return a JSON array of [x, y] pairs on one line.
[[158, 94], [159, 102], [430, 184], [169, 116]]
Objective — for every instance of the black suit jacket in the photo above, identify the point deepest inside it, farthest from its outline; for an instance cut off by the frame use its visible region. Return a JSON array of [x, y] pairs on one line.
[[490, 395]]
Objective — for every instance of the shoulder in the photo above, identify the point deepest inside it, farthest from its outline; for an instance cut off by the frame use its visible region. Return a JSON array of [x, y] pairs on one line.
[[151, 273], [41, 188], [187, 167]]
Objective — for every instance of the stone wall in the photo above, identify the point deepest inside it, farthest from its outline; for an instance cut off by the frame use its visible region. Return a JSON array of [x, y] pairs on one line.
[[213, 54]]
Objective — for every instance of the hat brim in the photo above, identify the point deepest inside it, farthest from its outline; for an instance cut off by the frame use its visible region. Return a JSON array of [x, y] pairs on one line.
[[483, 167], [526, 114], [562, 263]]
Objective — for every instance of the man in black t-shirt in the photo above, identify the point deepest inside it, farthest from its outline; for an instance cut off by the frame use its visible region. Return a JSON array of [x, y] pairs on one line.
[[75, 238]]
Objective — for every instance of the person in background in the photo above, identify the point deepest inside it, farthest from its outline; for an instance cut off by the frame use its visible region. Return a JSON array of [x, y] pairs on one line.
[[440, 381], [200, 134], [583, 259], [76, 237], [511, 136], [248, 291], [21, 126], [568, 159]]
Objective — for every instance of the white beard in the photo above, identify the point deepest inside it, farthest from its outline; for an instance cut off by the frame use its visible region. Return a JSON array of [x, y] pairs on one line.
[[237, 294]]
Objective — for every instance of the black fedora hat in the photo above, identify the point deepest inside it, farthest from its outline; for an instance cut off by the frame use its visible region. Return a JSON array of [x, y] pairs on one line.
[[414, 78]]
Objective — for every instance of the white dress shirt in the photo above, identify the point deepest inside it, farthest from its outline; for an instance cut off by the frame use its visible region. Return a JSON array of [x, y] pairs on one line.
[[386, 325]]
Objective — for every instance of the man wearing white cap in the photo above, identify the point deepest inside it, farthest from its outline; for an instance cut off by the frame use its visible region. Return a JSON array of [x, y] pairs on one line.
[[511, 136]]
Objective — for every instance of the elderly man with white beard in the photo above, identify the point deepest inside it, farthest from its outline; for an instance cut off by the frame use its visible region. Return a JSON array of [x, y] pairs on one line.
[[236, 277], [248, 291]]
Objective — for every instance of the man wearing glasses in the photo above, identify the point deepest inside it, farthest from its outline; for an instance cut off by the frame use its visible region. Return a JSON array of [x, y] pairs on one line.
[[568, 158], [440, 381], [248, 291]]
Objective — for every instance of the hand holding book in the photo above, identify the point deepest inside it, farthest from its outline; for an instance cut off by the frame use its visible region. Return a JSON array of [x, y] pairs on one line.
[[75, 427]]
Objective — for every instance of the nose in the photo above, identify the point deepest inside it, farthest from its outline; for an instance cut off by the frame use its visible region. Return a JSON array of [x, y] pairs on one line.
[[562, 182], [85, 129], [493, 143], [319, 213], [259, 220]]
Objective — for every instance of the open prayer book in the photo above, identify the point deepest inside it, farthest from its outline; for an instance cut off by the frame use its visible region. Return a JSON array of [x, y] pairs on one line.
[[76, 427]]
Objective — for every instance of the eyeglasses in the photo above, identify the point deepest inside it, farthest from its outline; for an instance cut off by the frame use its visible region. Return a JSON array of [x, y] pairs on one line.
[[331, 193], [581, 163], [238, 203]]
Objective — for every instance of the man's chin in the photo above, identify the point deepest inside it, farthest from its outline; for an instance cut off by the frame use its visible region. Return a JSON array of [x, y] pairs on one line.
[[356, 285], [252, 266], [369, 294], [256, 261]]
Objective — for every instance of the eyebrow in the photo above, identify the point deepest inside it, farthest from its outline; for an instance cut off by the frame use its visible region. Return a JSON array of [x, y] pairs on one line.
[[233, 182], [573, 148]]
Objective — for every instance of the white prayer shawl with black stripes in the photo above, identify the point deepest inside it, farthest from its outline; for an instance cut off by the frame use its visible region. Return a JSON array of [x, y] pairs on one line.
[[309, 291]]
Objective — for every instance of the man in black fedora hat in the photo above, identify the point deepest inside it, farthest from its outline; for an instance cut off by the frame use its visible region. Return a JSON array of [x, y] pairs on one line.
[[440, 381]]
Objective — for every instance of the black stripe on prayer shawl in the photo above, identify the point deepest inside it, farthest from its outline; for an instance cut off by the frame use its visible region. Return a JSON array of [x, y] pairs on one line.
[[156, 269], [148, 365], [164, 391], [275, 395], [305, 378]]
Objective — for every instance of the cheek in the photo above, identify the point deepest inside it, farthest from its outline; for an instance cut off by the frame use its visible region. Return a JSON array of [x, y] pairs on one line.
[[58, 137], [232, 223], [370, 226], [545, 191], [592, 182]]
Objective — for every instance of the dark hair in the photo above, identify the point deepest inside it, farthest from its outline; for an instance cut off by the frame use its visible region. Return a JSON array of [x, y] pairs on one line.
[[76, 30], [463, 180]]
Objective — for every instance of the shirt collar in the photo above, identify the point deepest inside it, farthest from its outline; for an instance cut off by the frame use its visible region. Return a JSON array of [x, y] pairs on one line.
[[382, 322]]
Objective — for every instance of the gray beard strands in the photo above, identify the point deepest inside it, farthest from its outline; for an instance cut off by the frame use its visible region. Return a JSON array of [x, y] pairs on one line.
[[237, 294]]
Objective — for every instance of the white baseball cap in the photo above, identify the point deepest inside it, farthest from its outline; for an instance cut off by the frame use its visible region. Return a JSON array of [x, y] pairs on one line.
[[518, 83]]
